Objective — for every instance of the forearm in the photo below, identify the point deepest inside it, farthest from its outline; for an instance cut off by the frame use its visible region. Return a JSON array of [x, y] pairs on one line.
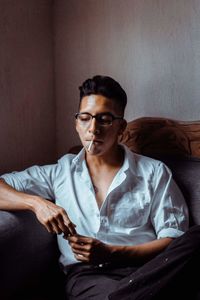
[[11, 199], [138, 253], [52, 216], [91, 250]]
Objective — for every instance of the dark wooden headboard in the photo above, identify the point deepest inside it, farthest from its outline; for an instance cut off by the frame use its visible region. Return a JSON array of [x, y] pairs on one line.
[[160, 136]]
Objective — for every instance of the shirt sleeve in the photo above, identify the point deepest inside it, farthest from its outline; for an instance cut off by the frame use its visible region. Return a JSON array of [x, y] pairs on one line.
[[169, 214], [36, 180]]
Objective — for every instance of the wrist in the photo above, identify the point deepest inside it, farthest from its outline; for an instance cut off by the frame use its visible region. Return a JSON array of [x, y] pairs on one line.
[[115, 253], [122, 253], [33, 203]]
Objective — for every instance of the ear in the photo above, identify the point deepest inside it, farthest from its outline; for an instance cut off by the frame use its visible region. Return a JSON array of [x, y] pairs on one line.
[[76, 126], [122, 126]]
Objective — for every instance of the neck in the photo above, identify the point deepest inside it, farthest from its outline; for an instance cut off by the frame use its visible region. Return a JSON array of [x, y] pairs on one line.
[[113, 158]]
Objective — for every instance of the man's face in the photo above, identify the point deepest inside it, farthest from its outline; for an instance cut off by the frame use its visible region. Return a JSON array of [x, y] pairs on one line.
[[104, 137]]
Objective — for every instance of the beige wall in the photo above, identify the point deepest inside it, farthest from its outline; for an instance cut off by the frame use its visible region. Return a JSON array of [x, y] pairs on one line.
[[27, 107], [47, 48], [152, 47]]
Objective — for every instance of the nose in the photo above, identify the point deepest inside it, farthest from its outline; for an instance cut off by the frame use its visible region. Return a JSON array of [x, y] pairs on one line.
[[93, 128]]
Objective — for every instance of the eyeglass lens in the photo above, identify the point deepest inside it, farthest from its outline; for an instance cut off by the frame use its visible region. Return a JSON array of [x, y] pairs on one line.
[[102, 119]]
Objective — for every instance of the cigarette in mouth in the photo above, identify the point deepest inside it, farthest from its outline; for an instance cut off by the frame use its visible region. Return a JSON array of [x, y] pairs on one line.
[[90, 146]]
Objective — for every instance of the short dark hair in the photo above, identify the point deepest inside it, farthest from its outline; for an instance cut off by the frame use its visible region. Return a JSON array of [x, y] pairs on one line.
[[105, 86]]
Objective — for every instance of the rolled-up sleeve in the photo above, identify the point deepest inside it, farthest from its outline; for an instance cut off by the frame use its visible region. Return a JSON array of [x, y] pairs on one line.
[[169, 212], [36, 180]]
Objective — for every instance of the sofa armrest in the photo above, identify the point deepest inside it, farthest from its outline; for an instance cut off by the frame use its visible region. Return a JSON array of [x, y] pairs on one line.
[[28, 255]]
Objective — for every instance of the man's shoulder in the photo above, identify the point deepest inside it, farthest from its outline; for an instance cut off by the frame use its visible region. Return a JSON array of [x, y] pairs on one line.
[[67, 157], [142, 159], [147, 159], [141, 164]]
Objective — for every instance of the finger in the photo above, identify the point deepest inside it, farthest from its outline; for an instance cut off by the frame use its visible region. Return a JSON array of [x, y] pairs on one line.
[[81, 251], [79, 247], [66, 235], [81, 258], [79, 239], [49, 227], [62, 226], [54, 226], [71, 226]]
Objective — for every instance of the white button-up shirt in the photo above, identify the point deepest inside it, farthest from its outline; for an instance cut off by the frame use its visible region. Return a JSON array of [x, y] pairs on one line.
[[143, 202]]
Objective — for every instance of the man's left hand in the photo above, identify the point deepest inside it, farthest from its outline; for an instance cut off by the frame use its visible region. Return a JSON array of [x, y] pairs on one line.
[[88, 249]]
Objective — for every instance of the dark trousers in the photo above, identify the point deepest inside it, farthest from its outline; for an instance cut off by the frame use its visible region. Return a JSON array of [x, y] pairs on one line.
[[170, 274]]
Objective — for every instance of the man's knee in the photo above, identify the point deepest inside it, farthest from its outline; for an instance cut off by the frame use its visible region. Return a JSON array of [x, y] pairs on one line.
[[189, 241], [192, 237], [194, 231]]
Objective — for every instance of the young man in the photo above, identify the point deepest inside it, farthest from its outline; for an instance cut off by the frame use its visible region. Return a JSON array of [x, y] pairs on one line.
[[122, 216]]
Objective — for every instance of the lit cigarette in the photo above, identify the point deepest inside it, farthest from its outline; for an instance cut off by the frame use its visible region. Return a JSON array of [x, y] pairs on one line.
[[90, 145]]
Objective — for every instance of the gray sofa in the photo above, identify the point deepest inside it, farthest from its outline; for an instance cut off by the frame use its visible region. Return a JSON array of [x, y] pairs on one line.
[[29, 254], [28, 259]]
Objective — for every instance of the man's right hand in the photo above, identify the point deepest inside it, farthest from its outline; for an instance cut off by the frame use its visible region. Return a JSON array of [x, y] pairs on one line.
[[53, 217]]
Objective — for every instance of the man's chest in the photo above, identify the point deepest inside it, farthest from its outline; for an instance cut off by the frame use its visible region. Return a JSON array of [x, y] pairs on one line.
[[101, 185]]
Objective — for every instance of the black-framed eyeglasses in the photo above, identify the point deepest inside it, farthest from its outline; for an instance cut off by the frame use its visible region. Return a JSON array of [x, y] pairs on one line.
[[103, 119]]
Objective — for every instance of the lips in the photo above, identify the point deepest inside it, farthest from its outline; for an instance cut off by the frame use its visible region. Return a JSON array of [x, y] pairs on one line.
[[95, 141]]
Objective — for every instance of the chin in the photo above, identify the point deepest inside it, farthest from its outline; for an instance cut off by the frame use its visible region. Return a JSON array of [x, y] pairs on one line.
[[94, 152]]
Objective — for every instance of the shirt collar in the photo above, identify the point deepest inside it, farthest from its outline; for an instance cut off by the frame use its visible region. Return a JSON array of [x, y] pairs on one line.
[[79, 159], [129, 160]]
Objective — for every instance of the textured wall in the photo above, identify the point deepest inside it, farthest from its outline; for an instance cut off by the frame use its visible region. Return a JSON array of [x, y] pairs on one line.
[[152, 47], [27, 107]]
